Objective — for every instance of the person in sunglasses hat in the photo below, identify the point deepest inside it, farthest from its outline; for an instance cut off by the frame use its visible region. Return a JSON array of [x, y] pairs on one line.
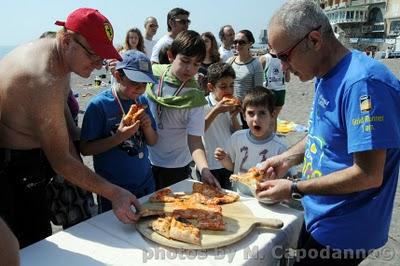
[[177, 21], [34, 139], [120, 150], [351, 154]]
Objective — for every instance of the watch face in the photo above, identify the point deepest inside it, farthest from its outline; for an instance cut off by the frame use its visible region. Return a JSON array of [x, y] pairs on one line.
[[296, 196]]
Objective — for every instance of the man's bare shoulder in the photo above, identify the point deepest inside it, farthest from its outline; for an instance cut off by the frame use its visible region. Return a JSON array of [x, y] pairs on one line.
[[34, 65]]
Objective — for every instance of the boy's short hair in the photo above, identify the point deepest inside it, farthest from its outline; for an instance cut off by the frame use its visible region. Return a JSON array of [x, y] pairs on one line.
[[218, 71], [189, 43], [163, 55], [259, 96]]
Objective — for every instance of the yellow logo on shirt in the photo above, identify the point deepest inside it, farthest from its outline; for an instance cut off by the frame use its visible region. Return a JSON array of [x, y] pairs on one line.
[[365, 103]]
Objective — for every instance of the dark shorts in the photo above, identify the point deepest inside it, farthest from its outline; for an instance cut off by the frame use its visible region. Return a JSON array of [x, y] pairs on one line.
[[24, 177], [165, 177], [279, 97]]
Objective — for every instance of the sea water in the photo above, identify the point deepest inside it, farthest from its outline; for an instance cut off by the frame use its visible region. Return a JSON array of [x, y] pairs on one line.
[[5, 49]]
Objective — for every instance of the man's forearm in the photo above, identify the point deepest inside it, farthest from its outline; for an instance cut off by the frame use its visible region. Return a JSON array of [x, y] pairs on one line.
[[80, 175], [365, 173], [295, 155]]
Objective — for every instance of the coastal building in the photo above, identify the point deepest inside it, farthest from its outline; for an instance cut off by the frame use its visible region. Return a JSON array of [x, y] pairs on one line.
[[364, 24]]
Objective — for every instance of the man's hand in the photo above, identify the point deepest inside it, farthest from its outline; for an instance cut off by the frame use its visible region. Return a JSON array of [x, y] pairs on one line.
[[209, 178], [122, 202], [278, 189], [275, 167]]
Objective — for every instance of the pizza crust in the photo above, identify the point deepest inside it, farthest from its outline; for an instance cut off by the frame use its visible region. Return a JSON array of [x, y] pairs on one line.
[[231, 100], [250, 179], [133, 114]]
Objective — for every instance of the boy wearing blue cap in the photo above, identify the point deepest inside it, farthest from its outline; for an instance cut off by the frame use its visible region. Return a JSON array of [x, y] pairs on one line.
[[119, 151]]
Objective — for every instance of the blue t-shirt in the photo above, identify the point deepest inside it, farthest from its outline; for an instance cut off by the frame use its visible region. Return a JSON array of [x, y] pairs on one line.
[[126, 164], [356, 108]]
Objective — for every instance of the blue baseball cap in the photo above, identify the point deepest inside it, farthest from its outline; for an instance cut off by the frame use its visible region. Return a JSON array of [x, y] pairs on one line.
[[136, 66]]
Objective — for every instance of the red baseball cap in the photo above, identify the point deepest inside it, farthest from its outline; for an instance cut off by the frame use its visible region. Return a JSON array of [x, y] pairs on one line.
[[96, 29]]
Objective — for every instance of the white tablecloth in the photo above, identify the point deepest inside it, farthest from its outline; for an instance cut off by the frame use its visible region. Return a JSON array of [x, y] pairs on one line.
[[103, 240]]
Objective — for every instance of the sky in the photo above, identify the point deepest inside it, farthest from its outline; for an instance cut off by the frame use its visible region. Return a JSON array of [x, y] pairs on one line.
[[25, 20]]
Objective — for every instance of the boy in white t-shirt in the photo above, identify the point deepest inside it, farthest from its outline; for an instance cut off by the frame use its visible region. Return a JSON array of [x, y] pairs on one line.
[[221, 119], [247, 147], [178, 107]]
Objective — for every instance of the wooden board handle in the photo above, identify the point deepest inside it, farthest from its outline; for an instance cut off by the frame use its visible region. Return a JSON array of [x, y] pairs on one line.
[[269, 222], [263, 222]]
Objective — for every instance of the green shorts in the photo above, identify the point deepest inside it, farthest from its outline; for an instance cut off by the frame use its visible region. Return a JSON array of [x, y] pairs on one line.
[[279, 97]]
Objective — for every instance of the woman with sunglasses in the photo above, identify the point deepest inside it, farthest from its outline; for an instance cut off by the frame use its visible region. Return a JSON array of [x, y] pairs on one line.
[[212, 56], [249, 72]]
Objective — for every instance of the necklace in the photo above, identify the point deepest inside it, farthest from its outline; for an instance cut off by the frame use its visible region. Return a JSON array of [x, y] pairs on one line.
[[159, 94], [121, 109]]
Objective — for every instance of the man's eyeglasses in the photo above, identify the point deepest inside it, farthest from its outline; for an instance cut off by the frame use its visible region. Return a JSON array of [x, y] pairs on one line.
[[284, 56], [153, 26], [182, 21], [92, 56], [239, 42]]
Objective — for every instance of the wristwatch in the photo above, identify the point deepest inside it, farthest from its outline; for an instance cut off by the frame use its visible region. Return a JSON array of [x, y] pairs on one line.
[[296, 194]]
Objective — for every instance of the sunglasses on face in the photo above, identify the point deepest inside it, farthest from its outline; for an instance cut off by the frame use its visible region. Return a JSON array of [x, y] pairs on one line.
[[239, 42], [182, 21], [92, 56], [284, 56], [153, 26]]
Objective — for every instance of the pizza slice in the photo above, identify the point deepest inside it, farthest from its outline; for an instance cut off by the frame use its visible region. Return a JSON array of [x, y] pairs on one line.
[[250, 179], [215, 223], [231, 100], [151, 209], [166, 195], [213, 195], [182, 230], [163, 195], [162, 226], [176, 228], [133, 115], [201, 214]]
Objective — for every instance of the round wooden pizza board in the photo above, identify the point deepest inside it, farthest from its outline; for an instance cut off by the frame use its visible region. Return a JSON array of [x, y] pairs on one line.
[[239, 222]]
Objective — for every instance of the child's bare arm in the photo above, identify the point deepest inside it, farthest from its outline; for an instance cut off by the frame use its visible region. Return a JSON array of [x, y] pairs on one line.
[[93, 147], [220, 107], [235, 121], [149, 133], [199, 157], [224, 158]]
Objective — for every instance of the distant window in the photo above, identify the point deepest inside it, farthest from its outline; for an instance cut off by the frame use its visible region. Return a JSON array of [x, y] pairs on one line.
[[395, 27], [375, 15]]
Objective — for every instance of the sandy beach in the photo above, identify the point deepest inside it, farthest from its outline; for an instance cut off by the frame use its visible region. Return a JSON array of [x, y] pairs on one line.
[[298, 102]]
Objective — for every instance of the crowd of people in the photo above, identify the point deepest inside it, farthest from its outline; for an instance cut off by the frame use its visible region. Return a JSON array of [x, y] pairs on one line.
[[350, 155]]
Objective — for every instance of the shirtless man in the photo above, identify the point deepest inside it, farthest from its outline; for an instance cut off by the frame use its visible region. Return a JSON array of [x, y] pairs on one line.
[[33, 132]]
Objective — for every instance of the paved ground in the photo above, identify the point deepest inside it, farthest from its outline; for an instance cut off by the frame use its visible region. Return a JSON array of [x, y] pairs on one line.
[[299, 97]]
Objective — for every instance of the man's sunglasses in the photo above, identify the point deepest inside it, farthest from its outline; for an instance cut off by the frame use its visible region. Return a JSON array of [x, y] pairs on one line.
[[284, 56], [182, 21], [92, 56], [239, 42], [153, 26]]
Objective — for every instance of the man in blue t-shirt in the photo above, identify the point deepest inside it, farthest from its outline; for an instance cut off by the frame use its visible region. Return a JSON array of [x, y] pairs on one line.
[[120, 150], [352, 152]]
